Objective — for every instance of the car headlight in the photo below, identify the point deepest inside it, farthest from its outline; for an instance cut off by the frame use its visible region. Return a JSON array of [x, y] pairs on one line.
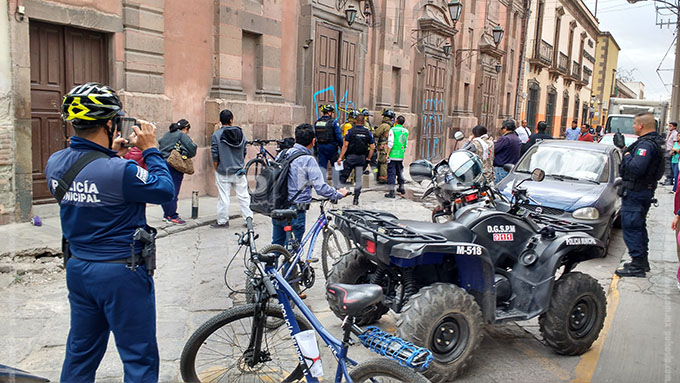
[[586, 213]]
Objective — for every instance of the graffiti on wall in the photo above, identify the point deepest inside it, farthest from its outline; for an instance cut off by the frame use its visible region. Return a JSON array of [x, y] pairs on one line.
[[432, 128], [343, 105]]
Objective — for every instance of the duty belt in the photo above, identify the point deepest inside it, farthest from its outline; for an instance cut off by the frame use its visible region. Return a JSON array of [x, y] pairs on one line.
[[638, 185], [125, 261]]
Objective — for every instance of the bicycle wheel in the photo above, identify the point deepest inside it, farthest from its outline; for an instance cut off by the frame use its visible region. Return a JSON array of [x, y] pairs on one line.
[[384, 370], [216, 351], [253, 169], [334, 245]]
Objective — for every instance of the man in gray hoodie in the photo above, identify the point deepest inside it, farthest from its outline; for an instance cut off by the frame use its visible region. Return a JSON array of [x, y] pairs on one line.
[[228, 148]]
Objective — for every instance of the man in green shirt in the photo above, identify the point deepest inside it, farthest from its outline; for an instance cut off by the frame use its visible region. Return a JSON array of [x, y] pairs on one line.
[[396, 142]]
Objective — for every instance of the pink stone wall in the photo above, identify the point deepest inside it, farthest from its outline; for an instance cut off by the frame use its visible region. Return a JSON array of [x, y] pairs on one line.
[[188, 77]]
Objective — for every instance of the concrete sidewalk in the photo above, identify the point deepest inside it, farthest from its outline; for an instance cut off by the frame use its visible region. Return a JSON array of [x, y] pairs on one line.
[[24, 239]]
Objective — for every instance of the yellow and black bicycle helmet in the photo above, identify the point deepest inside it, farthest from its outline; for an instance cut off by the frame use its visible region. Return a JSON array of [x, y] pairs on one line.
[[90, 104]]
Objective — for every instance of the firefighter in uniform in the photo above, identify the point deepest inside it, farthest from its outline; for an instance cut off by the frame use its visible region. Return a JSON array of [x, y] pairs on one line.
[[103, 221], [641, 168], [351, 116], [381, 134], [374, 157], [356, 152], [328, 140]]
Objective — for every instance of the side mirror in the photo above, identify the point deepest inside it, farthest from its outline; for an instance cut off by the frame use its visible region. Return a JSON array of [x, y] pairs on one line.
[[618, 182], [537, 175], [508, 167], [421, 170], [459, 136]]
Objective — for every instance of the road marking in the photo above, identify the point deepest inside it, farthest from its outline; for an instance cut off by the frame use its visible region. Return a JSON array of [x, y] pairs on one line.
[[583, 373]]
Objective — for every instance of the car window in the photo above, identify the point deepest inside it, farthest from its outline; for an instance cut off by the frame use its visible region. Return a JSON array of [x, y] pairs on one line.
[[623, 124], [570, 162], [604, 177], [609, 140], [617, 162]]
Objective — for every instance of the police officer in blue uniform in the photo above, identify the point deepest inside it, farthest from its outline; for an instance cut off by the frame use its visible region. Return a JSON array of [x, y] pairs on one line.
[[641, 168], [328, 140], [110, 289], [357, 150]]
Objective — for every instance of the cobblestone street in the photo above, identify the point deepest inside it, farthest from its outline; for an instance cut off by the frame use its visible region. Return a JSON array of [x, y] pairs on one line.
[[190, 289]]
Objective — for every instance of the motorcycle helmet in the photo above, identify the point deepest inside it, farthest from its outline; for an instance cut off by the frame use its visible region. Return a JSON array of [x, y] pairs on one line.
[[421, 170], [389, 114], [466, 167], [328, 108]]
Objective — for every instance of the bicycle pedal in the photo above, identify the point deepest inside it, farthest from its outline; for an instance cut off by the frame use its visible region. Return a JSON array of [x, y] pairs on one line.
[[313, 260], [302, 296]]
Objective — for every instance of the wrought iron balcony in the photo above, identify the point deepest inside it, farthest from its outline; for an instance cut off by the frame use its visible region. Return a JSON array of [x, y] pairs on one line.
[[563, 64], [545, 52], [576, 71]]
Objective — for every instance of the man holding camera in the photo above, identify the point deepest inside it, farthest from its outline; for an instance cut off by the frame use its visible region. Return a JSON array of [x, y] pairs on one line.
[[103, 201]]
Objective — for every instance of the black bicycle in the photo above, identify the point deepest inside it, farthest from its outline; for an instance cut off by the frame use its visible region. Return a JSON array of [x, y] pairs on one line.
[[243, 345], [263, 158]]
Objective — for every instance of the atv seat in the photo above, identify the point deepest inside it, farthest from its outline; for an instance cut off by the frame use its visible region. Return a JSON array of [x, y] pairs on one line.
[[353, 299], [453, 231], [284, 214]]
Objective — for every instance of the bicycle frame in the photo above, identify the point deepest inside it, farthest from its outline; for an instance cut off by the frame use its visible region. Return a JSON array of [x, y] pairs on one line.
[[285, 295], [312, 235]]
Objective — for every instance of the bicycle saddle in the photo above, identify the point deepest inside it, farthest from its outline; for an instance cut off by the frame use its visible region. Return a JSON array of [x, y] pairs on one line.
[[353, 299], [284, 214]]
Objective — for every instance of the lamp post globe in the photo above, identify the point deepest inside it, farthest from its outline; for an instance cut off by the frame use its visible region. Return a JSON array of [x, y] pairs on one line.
[[350, 14], [497, 33]]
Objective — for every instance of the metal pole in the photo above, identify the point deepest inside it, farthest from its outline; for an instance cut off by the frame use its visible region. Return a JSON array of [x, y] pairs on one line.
[[675, 96]]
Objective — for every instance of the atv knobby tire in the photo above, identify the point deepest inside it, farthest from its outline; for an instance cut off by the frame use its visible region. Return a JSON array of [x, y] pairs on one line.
[[355, 268], [576, 314], [438, 314]]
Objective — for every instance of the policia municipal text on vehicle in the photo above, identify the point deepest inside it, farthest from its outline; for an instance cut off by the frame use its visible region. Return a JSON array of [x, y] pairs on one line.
[[356, 152], [103, 200], [641, 168]]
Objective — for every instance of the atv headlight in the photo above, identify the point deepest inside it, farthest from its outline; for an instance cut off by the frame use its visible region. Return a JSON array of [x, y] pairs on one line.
[[586, 213]]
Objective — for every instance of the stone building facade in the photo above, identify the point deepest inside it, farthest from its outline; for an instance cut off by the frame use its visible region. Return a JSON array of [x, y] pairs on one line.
[[561, 40], [271, 62], [604, 76]]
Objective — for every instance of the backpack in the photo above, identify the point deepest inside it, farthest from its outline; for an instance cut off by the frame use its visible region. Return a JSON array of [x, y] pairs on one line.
[[271, 188]]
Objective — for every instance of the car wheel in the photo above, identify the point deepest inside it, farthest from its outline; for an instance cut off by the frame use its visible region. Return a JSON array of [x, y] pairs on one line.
[[607, 237]]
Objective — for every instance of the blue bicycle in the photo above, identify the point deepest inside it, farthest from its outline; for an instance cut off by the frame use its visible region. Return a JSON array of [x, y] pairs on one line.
[[241, 345]]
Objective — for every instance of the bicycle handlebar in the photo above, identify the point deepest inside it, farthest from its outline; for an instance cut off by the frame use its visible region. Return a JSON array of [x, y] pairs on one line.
[[258, 141]]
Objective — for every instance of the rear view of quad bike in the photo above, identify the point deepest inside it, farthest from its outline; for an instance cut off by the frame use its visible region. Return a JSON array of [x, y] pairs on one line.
[[489, 266]]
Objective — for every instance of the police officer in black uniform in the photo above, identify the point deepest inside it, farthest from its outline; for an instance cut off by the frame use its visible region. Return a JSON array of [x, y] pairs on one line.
[[357, 151], [641, 168]]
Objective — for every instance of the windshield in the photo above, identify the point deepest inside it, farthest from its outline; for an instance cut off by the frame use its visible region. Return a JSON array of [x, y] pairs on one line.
[[568, 162], [624, 124], [609, 140]]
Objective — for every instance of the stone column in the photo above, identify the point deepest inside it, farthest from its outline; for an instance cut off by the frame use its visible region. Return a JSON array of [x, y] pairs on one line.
[[227, 77]]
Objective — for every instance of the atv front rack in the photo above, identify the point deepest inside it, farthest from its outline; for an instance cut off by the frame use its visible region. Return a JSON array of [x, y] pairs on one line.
[[380, 225], [559, 224]]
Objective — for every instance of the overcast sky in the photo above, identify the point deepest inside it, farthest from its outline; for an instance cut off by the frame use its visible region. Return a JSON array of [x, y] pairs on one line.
[[643, 44]]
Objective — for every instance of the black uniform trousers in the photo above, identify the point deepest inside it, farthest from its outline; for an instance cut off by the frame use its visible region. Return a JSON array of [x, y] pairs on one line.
[[355, 162]]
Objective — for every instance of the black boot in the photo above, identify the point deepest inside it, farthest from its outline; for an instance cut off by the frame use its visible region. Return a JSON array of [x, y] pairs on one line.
[[390, 194], [356, 199], [634, 268], [401, 189]]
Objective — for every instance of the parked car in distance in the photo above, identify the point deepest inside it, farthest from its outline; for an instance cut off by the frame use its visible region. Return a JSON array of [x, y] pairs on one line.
[[580, 184], [608, 139]]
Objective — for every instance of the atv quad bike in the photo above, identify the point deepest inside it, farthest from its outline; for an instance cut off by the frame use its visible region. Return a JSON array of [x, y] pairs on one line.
[[490, 266]]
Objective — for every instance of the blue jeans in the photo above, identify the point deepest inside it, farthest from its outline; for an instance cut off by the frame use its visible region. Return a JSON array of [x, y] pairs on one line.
[[170, 208], [104, 298], [634, 208], [499, 173], [328, 153], [280, 237], [674, 174]]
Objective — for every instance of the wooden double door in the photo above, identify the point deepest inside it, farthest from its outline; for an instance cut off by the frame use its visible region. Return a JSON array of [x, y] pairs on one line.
[[61, 57], [335, 69], [432, 113]]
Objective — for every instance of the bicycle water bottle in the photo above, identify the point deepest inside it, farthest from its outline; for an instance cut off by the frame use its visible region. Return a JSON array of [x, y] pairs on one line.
[[306, 341]]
